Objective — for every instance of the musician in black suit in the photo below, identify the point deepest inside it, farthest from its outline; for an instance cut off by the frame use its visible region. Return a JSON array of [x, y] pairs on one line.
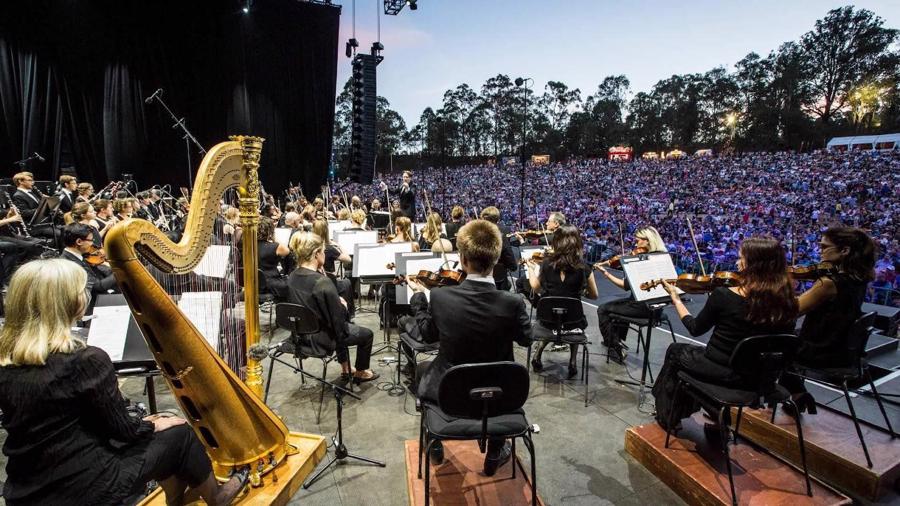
[[407, 196], [78, 240], [508, 261], [66, 193], [27, 199], [474, 322]]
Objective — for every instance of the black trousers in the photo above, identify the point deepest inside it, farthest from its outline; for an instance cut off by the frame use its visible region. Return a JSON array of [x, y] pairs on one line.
[[692, 359], [175, 452], [614, 334], [360, 337]]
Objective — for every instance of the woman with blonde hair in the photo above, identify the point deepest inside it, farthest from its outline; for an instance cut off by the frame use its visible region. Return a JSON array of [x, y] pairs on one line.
[[232, 227], [309, 286], [403, 232], [84, 213], [61, 407], [613, 336], [431, 232]]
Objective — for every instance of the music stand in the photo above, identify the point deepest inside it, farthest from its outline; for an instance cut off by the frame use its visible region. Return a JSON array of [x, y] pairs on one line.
[[370, 265], [640, 269], [45, 214], [380, 220]]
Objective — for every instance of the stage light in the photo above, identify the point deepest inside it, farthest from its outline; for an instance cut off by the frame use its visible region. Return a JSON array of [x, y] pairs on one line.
[[246, 8], [413, 5]]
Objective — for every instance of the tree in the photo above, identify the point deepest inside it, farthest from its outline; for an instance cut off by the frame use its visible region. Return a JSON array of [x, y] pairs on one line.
[[390, 129], [844, 48]]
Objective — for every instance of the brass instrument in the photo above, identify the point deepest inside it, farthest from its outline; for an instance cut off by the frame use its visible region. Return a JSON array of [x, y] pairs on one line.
[[228, 416]]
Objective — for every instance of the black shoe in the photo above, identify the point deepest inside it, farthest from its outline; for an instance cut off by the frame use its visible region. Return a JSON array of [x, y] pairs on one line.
[[573, 371], [805, 403], [491, 464], [536, 365], [437, 453]]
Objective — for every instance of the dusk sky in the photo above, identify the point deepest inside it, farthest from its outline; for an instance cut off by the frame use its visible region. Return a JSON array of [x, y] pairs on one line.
[[579, 42]]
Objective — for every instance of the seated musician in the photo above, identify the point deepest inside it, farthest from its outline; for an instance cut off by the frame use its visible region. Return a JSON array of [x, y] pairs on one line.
[[831, 306], [431, 232], [333, 254], [309, 286], [105, 213], [67, 186], [84, 191], [84, 213], [764, 303], [124, 208], [456, 222], [554, 221], [403, 232], [356, 203], [474, 323], [15, 247], [357, 220], [27, 199], [78, 240], [319, 205], [508, 261], [62, 409], [270, 254], [562, 273], [232, 228], [614, 335]]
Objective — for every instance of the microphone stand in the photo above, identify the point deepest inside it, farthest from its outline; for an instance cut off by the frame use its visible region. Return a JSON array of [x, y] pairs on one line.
[[188, 136]]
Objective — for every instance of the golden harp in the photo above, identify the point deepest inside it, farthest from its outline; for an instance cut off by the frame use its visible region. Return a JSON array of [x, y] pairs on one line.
[[228, 416]]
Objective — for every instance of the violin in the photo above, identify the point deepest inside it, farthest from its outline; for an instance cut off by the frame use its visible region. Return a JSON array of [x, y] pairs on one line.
[[537, 256], [616, 261], [530, 234], [811, 272], [96, 256], [697, 283], [434, 279]]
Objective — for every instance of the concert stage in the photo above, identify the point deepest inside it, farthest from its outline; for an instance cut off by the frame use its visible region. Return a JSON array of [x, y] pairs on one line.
[[459, 480]]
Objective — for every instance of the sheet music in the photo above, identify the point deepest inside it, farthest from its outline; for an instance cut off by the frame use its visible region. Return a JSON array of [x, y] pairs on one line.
[[646, 268], [416, 265], [204, 310], [417, 229], [347, 240], [109, 328], [337, 226], [371, 261], [214, 262], [283, 235]]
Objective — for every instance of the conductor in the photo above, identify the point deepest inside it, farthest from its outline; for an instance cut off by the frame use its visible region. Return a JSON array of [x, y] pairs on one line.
[[407, 196]]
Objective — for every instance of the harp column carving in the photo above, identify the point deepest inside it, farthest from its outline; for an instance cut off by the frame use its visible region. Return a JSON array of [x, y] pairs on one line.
[[248, 194]]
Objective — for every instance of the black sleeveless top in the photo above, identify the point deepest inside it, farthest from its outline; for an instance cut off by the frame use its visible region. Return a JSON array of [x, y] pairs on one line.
[[826, 328], [268, 258], [552, 284]]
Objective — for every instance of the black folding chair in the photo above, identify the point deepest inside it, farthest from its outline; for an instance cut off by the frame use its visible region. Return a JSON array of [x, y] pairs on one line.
[[840, 377], [559, 322], [303, 324], [759, 361], [478, 402], [266, 298]]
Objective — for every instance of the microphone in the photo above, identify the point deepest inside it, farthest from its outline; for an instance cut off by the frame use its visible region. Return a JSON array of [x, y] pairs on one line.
[[38, 156], [151, 97], [258, 351]]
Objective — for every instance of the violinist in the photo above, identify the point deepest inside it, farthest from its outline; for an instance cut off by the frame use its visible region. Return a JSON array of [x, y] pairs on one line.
[[457, 215], [647, 240], [507, 262], [78, 240], [319, 205], [356, 203], [403, 232], [554, 221], [357, 220], [473, 322], [764, 303], [831, 306], [431, 232], [562, 273]]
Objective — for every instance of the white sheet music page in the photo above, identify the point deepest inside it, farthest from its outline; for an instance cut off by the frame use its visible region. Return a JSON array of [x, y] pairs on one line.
[[373, 261], [214, 262], [109, 328], [204, 310], [283, 235], [649, 268], [348, 239], [337, 226]]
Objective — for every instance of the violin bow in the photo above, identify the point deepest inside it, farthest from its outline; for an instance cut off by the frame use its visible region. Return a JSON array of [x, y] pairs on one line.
[[696, 249], [621, 238], [793, 247], [387, 197]]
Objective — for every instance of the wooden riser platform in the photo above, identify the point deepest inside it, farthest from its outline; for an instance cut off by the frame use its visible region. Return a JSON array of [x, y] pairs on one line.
[[291, 475], [459, 481], [696, 470], [833, 451]]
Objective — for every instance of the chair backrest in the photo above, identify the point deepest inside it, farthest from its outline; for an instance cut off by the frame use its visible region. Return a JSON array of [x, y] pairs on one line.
[[762, 359], [261, 282], [859, 335], [510, 378], [302, 324], [561, 313]]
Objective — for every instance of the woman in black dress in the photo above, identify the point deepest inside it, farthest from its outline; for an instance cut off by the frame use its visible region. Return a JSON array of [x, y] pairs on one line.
[[70, 439], [764, 303], [270, 254], [562, 273], [614, 335], [831, 306]]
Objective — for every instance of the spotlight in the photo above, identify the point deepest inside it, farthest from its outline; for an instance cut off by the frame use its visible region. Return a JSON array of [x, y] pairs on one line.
[[246, 8], [519, 81]]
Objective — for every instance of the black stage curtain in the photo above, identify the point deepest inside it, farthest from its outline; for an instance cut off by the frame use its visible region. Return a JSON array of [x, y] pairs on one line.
[[74, 75]]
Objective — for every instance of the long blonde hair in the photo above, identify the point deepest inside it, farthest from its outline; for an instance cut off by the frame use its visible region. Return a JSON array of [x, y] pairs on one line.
[[656, 243], [432, 229], [45, 298]]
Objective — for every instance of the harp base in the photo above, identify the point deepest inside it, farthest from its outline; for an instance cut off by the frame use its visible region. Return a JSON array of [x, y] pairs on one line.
[[291, 474]]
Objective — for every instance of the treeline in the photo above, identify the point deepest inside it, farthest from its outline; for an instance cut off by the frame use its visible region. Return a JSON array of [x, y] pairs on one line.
[[840, 78]]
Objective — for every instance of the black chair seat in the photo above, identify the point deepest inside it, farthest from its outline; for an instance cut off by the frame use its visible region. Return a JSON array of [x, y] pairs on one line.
[[416, 345], [444, 426], [835, 375], [542, 333], [729, 394], [633, 320]]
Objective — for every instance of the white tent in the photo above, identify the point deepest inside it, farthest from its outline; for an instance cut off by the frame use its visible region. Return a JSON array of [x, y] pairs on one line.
[[884, 142]]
